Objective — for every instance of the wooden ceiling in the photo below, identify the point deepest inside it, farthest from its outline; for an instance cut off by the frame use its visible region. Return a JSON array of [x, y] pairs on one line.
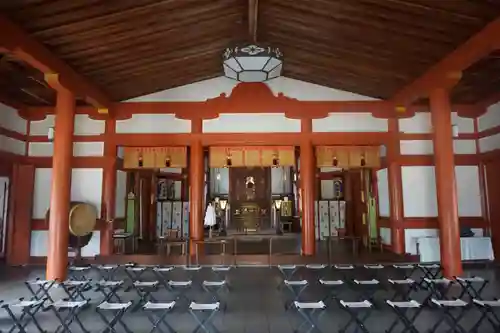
[[130, 48]]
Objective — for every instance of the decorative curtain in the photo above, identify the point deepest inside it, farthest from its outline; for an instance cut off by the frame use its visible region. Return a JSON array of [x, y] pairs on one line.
[[348, 156], [154, 157], [251, 156]]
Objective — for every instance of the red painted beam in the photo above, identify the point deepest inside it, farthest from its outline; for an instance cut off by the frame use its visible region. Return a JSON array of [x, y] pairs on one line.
[[477, 47], [13, 39]]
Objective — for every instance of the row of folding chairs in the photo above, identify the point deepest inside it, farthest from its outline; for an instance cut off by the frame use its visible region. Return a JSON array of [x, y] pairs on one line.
[[450, 313], [24, 312]]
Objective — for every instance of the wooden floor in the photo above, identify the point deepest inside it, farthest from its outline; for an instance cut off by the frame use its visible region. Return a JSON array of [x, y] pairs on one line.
[[252, 250]]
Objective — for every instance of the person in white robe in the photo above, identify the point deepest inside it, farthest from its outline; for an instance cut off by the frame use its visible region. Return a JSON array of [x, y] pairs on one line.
[[210, 219]]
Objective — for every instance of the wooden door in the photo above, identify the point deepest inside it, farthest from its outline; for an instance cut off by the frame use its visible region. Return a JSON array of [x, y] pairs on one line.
[[358, 205], [250, 194]]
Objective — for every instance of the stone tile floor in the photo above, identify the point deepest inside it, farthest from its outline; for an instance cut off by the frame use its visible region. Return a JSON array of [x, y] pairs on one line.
[[254, 303]]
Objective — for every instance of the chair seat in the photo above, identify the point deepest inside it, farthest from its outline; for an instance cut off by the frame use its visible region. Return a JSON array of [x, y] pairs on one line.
[[405, 281], [344, 266], [438, 281], [408, 304], [180, 283], [145, 283], [287, 267], [315, 266], [331, 282], [367, 282], [310, 305], [430, 266], [374, 266], [69, 305], [204, 306], [494, 303], [39, 282], [136, 269], [221, 268], [159, 306], [79, 268], [163, 269], [471, 279], [74, 283], [114, 306], [107, 267], [362, 304], [449, 303], [105, 283], [404, 266], [191, 268], [295, 282], [24, 304], [214, 283]]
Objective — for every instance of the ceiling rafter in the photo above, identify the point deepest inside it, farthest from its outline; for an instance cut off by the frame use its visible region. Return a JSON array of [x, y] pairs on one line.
[[38, 56]]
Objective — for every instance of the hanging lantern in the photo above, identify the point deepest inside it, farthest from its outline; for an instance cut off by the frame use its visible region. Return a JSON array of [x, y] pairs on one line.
[[335, 161], [140, 160], [363, 161], [167, 162]]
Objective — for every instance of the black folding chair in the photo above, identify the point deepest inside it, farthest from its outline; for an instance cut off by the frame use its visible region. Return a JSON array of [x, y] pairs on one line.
[[452, 313], [144, 290], [287, 271], [374, 271], [436, 288], [75, 289], [488, 311], [316, 270], [345, 271], [404, 271], [334, 288], [79, 272], [366, 289], [401, 310], [403, 289], [180, 289], [40, 288], [215, 289], [296, 288], [472, 286], [430, 272], [192, 272], [203, 314], [162, 274], [107, 272], [359, 313], [221, 272], [109, 289], [310, 316], [135, 272], [71, 310], [157, 313], [29, 310], [118, 310]]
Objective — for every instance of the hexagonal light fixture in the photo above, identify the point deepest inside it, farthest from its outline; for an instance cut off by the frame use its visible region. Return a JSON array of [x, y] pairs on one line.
[[252, 63]]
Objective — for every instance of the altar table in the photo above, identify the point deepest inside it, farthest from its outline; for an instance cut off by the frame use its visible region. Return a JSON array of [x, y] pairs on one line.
[[473, 248]]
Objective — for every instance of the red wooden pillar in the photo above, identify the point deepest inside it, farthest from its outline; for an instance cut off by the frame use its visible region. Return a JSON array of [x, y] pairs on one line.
[[449, 227], [196, 192], [57, 257], [307, 177], [395, 189], [109, 189]]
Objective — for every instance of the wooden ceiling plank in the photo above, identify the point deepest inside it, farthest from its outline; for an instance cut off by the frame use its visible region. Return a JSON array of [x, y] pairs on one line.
[[147, 50], [129, 38], [99, 17], [211, 55], [347, 14], [336, 30], [150, 59], [477, 47], [41, 58]]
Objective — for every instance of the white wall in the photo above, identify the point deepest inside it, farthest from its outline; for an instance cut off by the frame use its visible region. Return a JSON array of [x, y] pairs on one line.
[[203, 90], [490, 119], [86, 186], [10, 120], [350, 122], [386, 235], [421, 123], [83, 125], [383, 193], [121, 194], [153, 123], [251, 123], [426, 147], [419, 191]]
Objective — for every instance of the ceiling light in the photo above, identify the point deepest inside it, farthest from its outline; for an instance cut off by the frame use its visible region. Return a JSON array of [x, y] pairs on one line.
[[252, 63]]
